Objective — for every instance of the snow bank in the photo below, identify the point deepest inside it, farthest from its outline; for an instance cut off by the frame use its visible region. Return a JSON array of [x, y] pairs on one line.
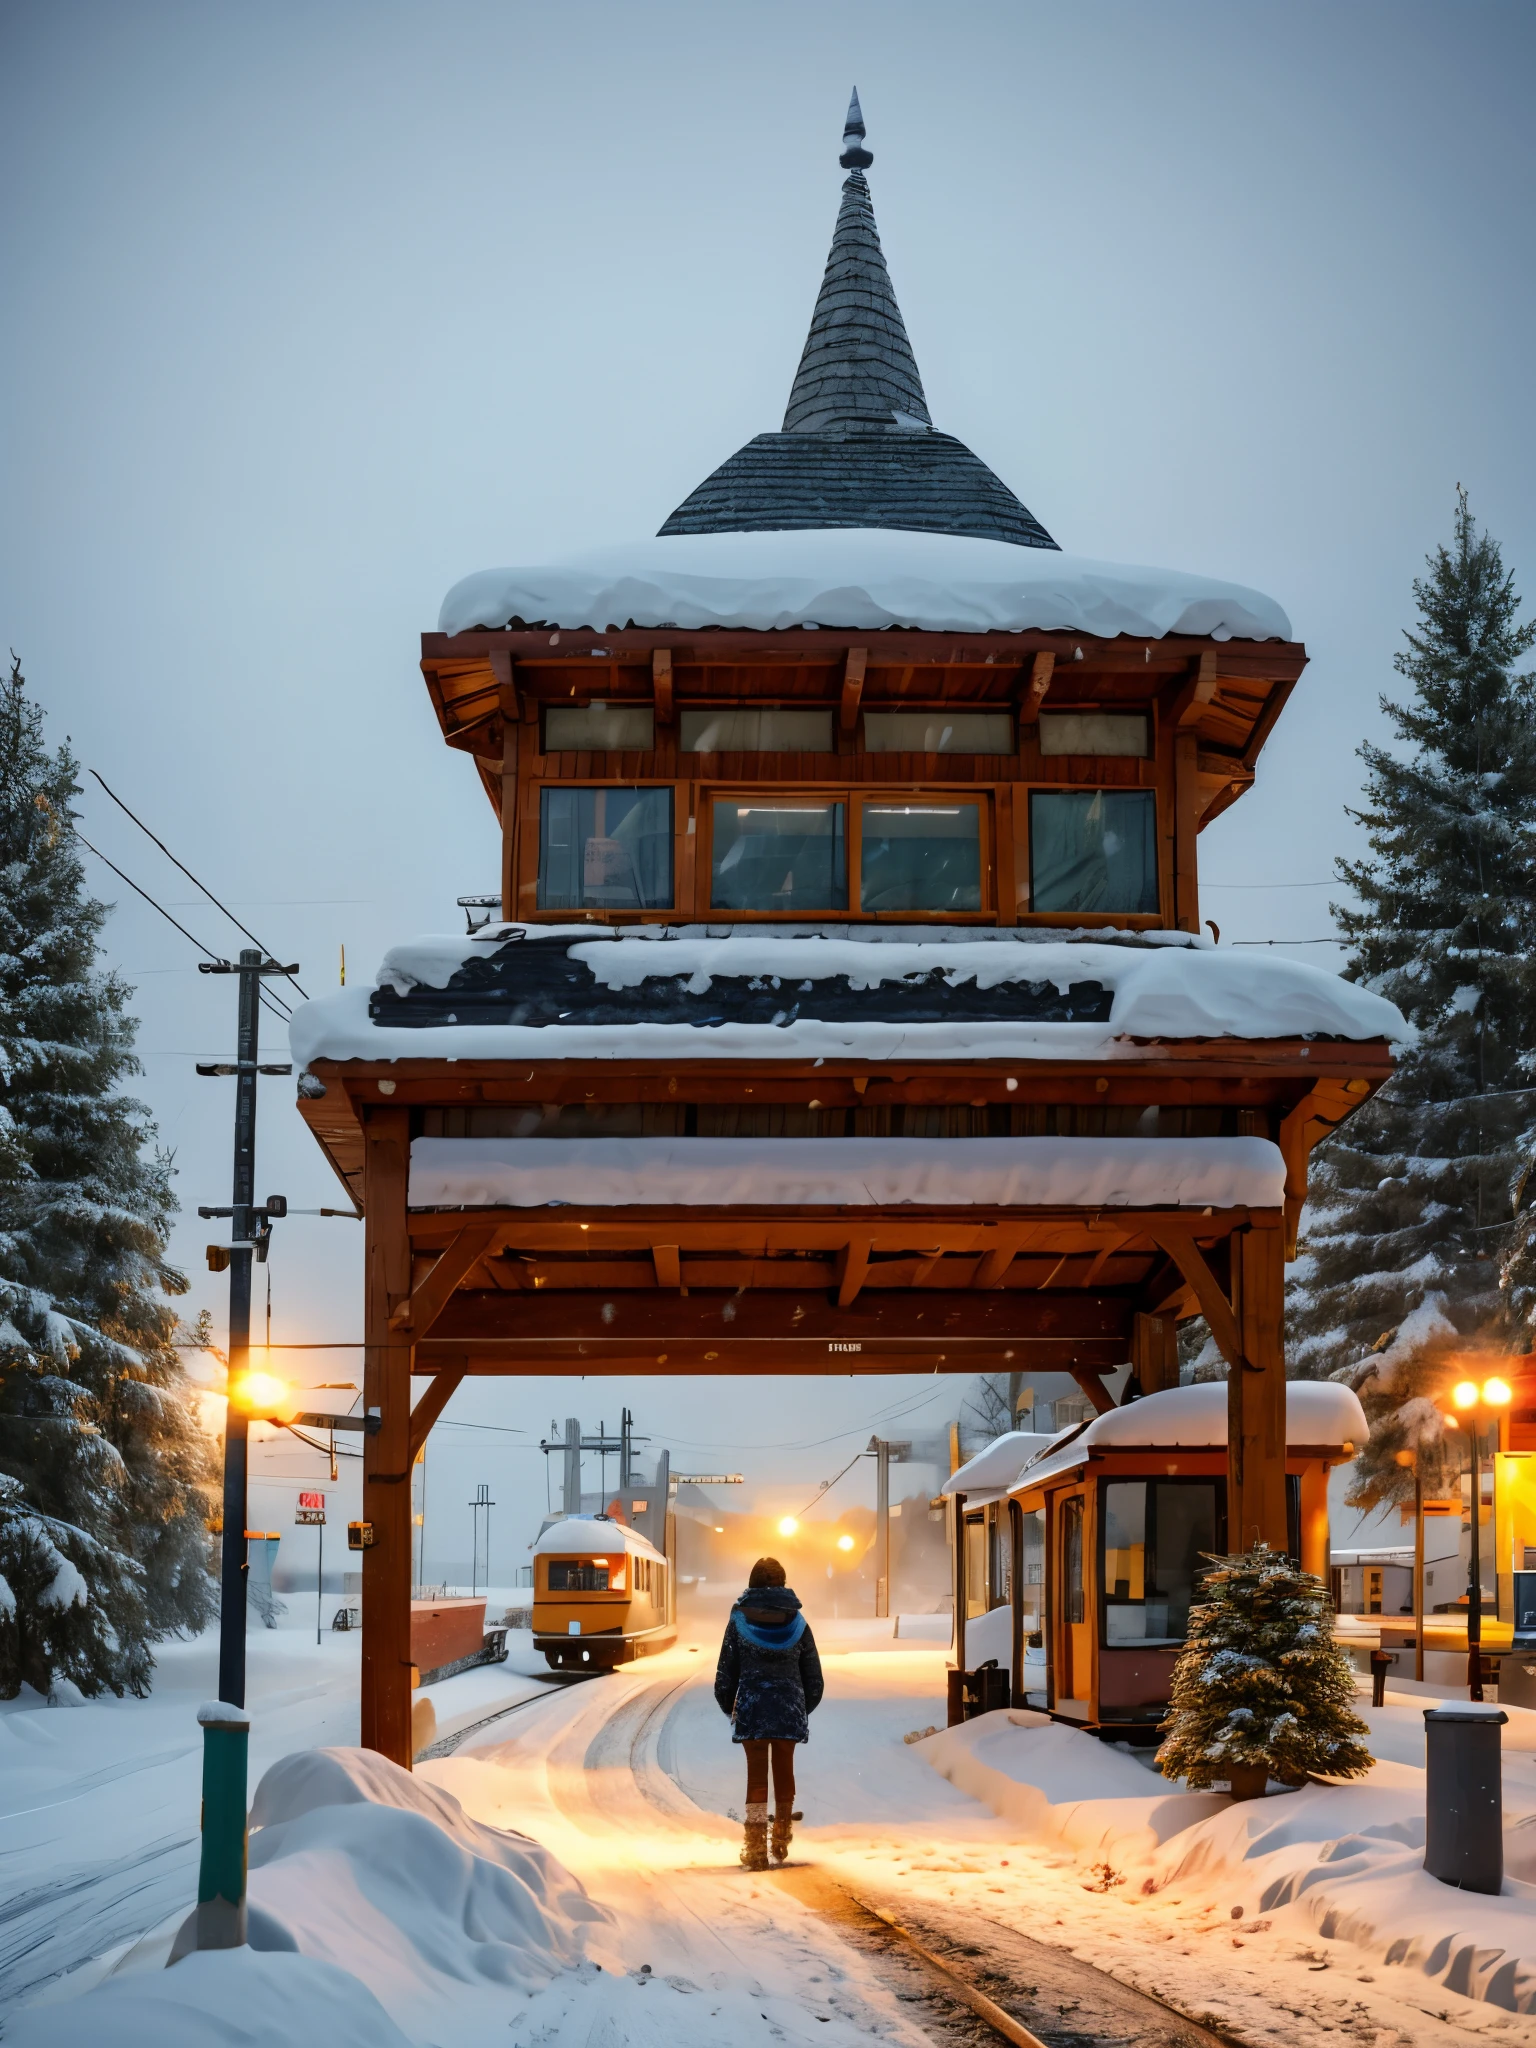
[[1346, 1862], [236, 1998], [530, 1173], [1157, 991], [859, 579]]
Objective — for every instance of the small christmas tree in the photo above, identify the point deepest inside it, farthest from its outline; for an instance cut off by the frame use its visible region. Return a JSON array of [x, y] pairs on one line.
[[1261, 1690]]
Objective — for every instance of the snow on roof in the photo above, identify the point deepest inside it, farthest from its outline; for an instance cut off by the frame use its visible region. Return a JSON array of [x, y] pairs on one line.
[[532, 1173], [586, 1536], [1318, 1413], [859, 579], [1161, 990], [992, 1471]]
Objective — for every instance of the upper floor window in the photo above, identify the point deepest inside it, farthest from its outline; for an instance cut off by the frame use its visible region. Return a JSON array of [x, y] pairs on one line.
[[938, 732], [599, 729], [778, 854], [1095, 732], [752, 729], [1093, 851], [605, 849], [916, 856]]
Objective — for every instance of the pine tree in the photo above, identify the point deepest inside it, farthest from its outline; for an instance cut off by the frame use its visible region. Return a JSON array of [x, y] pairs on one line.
[[103, 1542], [1412, 1244], [1260, 1684]]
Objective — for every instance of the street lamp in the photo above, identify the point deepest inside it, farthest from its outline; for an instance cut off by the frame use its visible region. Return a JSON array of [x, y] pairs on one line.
[[1478, 1403]]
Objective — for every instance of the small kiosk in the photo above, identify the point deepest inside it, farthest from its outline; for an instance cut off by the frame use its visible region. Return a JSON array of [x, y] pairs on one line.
[[1110, 1524]]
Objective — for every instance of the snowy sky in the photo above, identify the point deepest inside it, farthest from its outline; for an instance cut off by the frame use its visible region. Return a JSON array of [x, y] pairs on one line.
[[314, 310]]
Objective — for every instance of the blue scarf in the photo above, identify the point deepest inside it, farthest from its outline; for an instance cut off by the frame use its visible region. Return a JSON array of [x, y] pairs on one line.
[[779, 1637]]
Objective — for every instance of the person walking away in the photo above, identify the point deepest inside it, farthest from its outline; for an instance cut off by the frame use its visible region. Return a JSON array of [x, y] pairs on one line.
[[769, 1682]]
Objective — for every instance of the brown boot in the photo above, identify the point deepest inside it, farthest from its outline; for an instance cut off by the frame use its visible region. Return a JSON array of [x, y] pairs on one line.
[[783, 1832], [754, 1846]]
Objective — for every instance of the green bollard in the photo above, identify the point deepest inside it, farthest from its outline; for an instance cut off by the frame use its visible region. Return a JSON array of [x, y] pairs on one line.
[[221, 1873]]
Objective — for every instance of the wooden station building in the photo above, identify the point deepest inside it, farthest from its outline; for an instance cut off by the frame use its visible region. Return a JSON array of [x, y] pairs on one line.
[[850, 1007]]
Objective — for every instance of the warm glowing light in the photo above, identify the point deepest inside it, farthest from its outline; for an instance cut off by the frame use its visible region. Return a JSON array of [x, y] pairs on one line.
[[845, 1543], [1464, 1394], [718, 1530], [788, 1526], [260, 1393], [1497, 1393]]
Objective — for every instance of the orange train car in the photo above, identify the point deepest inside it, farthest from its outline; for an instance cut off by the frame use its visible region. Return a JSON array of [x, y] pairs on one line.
[[602, 1595]]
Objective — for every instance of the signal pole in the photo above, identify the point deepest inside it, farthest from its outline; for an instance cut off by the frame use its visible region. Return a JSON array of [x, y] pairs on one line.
[[250, 1230]]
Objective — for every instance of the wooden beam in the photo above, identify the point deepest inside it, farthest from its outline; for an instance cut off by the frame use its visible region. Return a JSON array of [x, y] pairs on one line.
[[852, 1266], [853, 688], [690, 1358], [1101, 1260], [1191, 698], [440, 1389], [1155, 1352], [1041, 669], [995, 1263], [511, 728], [1256, 1505], [427, 1300], [661, 682], [1320, 1111], [385, 1697], [1094, 1387], [1214, 1305], [669, 1268]]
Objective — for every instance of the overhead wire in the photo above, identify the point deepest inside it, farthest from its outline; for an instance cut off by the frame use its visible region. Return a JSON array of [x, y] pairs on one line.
[[193, 879]]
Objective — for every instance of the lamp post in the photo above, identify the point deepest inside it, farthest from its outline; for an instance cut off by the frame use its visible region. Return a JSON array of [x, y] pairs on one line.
[[1477, 1402]]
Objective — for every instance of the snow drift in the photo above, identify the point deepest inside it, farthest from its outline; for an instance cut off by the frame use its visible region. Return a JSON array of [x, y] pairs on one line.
[[860, 579]]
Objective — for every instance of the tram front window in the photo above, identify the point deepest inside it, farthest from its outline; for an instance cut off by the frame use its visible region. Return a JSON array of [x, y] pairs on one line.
[[577, 1575], [1156, 1535]]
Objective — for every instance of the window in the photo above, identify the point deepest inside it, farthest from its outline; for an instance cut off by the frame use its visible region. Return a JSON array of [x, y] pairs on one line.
[[920, 856], [1094, 732], [1093, 850], [1156, 1533], [976, 1600], [938, 732], [599, 728], [578, 1575], [605, 849], [778, 856], [750, 729], [1034, 1567]]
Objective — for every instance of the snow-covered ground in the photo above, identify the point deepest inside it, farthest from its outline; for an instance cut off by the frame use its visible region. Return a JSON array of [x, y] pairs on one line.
[[1293, 1920]]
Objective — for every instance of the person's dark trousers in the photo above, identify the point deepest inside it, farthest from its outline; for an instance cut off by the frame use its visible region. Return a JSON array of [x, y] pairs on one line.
[[782, 1757]]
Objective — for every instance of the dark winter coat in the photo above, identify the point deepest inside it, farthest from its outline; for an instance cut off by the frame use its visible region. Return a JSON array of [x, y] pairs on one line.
[[769, 1676]]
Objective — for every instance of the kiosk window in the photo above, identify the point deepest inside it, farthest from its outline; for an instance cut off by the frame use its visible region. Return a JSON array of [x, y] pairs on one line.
[[1156, 1533], [779, 856], [605, 849], [1093, 850], [577, 1575], [920, 857]]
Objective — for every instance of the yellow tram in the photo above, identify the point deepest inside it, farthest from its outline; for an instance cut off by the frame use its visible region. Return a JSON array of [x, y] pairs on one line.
[[602, 1595]]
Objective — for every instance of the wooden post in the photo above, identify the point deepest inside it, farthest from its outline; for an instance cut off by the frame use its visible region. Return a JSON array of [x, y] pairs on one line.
[[1016, 1603], [385, 1717], [1187, 707], [1155, 1353], [1314, 1520], [1256, 1394], [511, 712], [960, 1585], [1418, 1577]]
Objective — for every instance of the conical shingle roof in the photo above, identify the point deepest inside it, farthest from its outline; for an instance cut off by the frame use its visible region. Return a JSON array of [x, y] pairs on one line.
[[858, 446]]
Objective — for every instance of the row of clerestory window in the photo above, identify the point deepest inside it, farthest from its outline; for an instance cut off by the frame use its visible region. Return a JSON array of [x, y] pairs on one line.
[[809, 729]]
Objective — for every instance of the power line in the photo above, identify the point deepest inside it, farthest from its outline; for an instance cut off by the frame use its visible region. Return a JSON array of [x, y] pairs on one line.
[[825, 1490], [239, 927]]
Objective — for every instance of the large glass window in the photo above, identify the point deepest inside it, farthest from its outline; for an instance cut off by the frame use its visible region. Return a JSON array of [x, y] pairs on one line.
[[578, 1575], [605, 849], [750, 729], [1093, 850], [920, 856], [599, 728], [1156, 1533], [783, 855], [1094, 732], [938, 732]]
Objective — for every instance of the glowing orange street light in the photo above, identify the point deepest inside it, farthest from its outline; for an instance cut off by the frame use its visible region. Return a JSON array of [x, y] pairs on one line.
[[1478, 1402], [789, 1526], [261, 1396], [845, 1543]]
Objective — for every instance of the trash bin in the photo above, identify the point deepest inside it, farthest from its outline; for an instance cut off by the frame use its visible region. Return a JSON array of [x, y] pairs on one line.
[[1464, 1797]]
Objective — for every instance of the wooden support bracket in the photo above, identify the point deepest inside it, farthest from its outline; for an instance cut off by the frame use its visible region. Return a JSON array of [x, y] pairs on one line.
[[852, 1266], [506, 688], [1041, 669], [853, 688], [1180, 1246], [1317, 1113], [429, 1407], [1193, 696], [1094, 1388], [426, 1302], [669, 1267], [661, 681]]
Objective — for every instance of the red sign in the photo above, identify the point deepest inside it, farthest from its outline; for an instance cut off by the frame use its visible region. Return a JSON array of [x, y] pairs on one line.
[[312, 1500]]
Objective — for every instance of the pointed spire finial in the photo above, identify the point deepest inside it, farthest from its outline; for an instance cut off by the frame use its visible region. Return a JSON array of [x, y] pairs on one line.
[[855, 156]]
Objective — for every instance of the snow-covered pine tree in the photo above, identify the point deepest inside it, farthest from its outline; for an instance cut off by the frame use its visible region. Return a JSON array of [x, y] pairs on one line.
[[103, 1543], [1261, 1690], [1406, 1243]]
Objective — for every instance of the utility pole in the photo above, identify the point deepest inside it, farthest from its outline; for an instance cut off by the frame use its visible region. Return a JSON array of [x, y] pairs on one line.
[[481, 1500], [250, 1230]]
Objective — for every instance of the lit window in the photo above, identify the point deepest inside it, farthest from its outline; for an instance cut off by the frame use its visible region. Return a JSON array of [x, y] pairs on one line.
[[599, 728], [778, 856], [938, 732], [920, 857], [578, 1575], [1156, 1534], [1093, 850], [749, 729], [605, 849], [1094, 732]]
